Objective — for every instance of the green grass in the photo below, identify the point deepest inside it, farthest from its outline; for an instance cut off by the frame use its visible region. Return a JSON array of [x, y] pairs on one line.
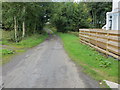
[[12, 48], [32, 41], [74, 33], [6, 51], [4, 42], [94, 64]]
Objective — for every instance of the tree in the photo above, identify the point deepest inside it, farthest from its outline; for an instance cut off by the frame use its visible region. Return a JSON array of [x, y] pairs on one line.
[[70, 16], [98, 12], [27, 18], [24, 18]]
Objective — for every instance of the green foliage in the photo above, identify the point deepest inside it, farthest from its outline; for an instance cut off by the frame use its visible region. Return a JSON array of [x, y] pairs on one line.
[[33, 14], [70, 16], [91, 60], [21, 46], [98, 12], [32, 40], [74, 33], [105, 64], [65, 16], [6, 34], [4, 42], [6, 51]]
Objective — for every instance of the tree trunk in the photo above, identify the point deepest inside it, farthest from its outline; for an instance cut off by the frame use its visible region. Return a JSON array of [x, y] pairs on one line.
[[23, 34], [93, 19], [23, 24], [15, 28]]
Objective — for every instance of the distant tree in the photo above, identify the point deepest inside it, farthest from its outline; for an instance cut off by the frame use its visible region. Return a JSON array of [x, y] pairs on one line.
[[70, 16], [98, 12], [27, 18]]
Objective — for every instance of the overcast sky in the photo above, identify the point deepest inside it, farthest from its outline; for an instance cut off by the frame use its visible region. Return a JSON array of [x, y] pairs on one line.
[[56, 0]]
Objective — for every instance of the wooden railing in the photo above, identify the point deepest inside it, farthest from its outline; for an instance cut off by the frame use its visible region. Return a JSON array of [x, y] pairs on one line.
[[105, 41]]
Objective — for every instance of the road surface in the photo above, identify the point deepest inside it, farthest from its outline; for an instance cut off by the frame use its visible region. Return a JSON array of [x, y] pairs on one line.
[[45, 66]]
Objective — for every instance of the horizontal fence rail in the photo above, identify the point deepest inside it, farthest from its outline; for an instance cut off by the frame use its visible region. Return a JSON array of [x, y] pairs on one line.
[[105, 41]]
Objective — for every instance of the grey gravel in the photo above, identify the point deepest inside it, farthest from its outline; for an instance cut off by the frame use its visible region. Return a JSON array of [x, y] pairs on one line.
[[45, 66]]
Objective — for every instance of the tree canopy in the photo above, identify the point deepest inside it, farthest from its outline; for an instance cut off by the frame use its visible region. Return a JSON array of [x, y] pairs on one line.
[[27, 18], [70, 16]]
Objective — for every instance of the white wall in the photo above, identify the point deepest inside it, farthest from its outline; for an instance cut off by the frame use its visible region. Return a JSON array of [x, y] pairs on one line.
[[115, 5], [115, 16], [115, 21], [119, 22]]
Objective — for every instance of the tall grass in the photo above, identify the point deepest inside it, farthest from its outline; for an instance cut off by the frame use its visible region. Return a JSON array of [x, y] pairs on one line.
[[32, 40]]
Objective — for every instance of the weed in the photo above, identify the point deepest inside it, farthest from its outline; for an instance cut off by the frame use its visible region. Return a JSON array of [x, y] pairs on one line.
[[105, 64], [6, 51]]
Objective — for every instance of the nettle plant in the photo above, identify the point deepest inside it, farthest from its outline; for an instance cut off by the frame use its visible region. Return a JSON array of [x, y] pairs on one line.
[[104, 63]]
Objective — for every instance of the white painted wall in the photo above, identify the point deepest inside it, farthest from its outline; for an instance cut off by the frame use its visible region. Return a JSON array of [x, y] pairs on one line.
[[114, 21], [116, 5], [115, 16], [119, 22]]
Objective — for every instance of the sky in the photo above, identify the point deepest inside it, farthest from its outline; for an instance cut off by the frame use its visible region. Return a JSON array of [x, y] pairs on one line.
[[56, 0]]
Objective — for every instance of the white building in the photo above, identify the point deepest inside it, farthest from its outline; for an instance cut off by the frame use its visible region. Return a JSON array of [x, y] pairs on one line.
[[113, 18]]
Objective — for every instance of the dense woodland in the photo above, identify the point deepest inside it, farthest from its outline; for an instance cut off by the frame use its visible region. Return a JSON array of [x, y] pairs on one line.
[[27, 18]]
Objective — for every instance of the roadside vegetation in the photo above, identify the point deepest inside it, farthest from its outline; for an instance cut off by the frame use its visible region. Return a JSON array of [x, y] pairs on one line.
[[10, 48], [94, 64], [68, 16], [23, 25]]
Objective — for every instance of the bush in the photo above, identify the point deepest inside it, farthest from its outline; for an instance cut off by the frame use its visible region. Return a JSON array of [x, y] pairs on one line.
[[6, 51]]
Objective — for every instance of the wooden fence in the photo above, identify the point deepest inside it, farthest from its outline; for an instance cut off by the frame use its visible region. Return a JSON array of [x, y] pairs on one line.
[[105, 41]]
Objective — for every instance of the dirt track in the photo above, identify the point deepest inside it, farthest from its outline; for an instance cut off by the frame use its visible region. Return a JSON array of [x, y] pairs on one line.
[[45, 66]]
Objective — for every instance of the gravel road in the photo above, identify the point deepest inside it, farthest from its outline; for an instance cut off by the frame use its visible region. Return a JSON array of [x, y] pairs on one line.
[[45, 66]]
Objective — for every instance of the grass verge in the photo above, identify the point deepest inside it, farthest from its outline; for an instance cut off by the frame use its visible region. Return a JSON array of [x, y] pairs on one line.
[[94, 64], [11, 48]]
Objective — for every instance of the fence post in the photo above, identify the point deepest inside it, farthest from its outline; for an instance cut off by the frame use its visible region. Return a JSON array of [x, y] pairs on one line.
[[89, 35], [96, 37], [79, 35], [107, 44]]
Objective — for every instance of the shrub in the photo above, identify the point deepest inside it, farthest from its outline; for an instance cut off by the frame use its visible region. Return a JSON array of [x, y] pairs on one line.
[[6, 51]]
